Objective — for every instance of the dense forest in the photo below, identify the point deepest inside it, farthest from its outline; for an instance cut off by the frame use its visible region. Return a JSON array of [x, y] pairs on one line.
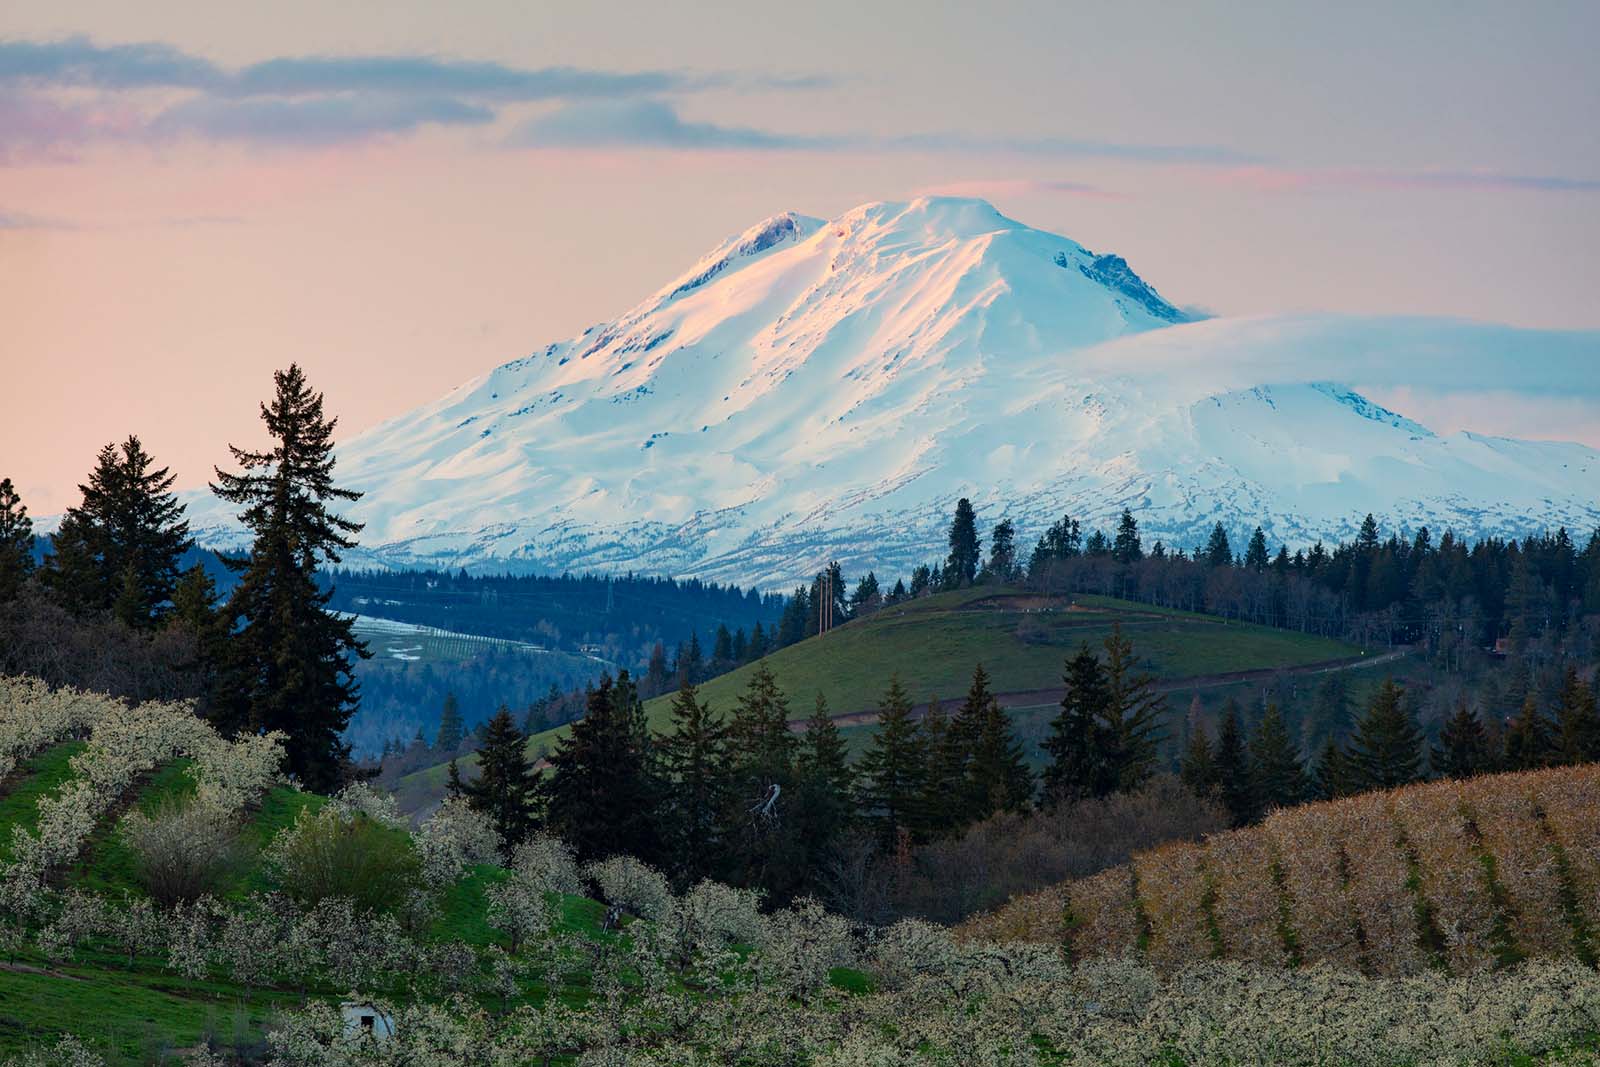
[[619, 618]]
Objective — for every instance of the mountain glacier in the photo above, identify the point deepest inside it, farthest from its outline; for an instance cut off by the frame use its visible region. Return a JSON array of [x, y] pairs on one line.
[[816, 389]]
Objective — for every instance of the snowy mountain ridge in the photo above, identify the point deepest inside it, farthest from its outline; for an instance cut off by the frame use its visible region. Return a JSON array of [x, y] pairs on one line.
[[816, 389]]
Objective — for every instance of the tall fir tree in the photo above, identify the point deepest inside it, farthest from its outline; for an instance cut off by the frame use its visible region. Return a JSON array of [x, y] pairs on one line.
[[946, 753], [451, 726], [1217, 552], [890, 777], [1131, 721], [694, 762], [602, 795], [825, 783], [1332, 776], [961, 565], [1386, 748], [1002, 565], [1198, 769], [1077, 744], [656, 675], [766, 821], [1255, 553], [1577, 721], [762, 744], [1236, 786], [1329, 718], [1463, 748], [16, 541], [507, 788], [1126, 548], [120, 547], [1529, 743], [1279, 776], [289, 659], [998, 778]]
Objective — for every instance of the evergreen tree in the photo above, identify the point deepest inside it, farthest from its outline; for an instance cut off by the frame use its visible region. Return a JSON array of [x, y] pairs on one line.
[[997, 775], [1528, 742], [602, 793], [1577, 721], [16, 541], [768, 818], [194, 601], [867, 596], [451, 726], [792, 625], [691, 662], [1386, 749], [890, 777], [1463, 748], [507, 789], [762, 744], [946, 753], [1236, 786], [119, 548], [722, 649], [1097, 545], [961, 566], [288, 666], [1002, 565], [1126, 548], [1132, 717], [758, 644], [1329, 719], [1077, 743], [656, 675], [825, 782], [1332, 776], [1275, 767], [694, 760], [1255, 553], [1218, 552], [1198, 769]]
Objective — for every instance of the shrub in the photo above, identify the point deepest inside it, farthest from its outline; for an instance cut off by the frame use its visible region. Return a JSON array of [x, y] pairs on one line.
[[1009, 855], [183, 850], [325, 855], [635, 887], [548, 862]]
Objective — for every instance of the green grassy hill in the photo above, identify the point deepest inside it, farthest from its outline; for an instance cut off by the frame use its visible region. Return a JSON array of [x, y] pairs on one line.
[[1021, 638]]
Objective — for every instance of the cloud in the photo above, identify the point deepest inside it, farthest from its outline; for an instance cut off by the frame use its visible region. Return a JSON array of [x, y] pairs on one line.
[[645, 124], [419, 75], [1289, 179], [17, 220], [992, 187], [76, 62], [37, 127], [316, 121], [654, 123]]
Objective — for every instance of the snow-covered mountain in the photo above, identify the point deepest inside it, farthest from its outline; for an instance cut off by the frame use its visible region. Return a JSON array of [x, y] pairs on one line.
[[827, 389]]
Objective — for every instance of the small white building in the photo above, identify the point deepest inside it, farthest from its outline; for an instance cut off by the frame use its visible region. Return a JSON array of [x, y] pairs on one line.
[[366, 1019]]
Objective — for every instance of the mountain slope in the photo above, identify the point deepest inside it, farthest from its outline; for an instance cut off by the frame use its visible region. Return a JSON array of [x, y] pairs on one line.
[[826, 389]]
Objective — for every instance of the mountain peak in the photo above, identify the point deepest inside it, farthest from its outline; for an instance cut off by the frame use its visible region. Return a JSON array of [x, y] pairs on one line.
[[826, 389]]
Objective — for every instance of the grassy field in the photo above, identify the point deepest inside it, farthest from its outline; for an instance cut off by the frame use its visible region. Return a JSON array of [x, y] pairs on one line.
[[933, 644]]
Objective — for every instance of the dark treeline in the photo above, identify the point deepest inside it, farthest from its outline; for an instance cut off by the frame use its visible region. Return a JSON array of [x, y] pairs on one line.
[[744, 795], [620, 618], [1538, 597], [925, 820]]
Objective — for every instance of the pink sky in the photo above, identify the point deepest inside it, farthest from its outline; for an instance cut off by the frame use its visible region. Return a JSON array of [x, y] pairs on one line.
[[169, 237]]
